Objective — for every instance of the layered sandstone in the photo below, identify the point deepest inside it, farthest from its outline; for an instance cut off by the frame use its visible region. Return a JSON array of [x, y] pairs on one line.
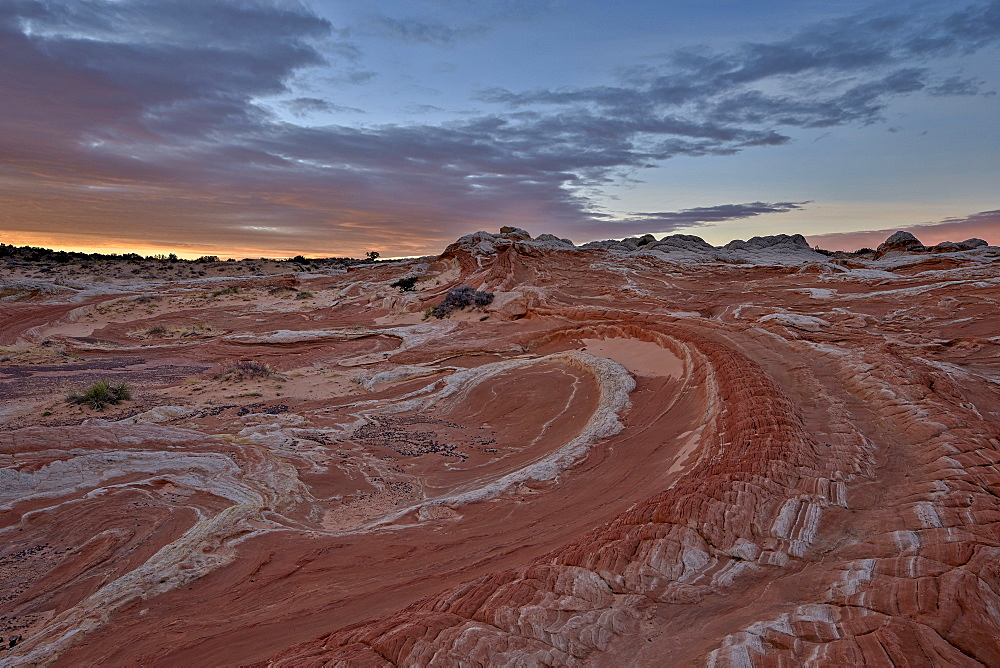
[[642, 450]]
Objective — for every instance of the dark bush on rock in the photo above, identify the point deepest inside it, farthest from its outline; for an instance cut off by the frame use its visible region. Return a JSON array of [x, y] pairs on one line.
[[405, 284], [460, 297]]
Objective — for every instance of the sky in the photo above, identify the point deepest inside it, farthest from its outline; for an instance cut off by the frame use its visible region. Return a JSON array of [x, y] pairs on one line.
[[250, 128]]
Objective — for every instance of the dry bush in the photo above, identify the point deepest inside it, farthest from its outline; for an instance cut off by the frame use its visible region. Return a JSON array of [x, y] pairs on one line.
[[247, 370], [460, 297]]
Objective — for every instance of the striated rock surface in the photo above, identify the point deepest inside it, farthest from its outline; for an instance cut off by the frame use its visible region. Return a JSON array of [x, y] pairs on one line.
[[642, 451]]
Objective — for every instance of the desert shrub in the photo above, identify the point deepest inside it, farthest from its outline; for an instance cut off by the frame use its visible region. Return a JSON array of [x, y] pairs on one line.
[[231, 290], [101, 393], [174, 331], [405, 284], [247, 370], [460, 297], [863, 250], [303, 294], [196, 330]]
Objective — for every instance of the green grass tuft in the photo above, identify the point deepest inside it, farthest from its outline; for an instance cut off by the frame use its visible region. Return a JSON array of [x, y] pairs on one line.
[[101, 393]]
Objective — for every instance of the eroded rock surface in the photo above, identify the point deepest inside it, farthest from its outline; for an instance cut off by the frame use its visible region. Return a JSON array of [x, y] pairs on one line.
[[643, 450]]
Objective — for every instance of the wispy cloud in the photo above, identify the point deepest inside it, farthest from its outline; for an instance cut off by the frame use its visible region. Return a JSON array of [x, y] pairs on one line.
[[420, 30], [471, 18], [304, 106], [956, 86]]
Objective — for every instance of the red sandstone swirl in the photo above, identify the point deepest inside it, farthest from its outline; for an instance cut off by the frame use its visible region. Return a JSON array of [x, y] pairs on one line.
[[750, 505], [779, 545], [819, 485]]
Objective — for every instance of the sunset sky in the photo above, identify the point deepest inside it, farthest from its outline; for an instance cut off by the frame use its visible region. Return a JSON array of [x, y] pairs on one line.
[[275, 128]]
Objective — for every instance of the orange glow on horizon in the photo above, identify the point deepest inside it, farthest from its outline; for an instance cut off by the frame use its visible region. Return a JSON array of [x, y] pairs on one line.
[[122, 247], [410, 244]]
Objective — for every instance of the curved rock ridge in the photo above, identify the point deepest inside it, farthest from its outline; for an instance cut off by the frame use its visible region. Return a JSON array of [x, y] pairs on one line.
[[613, 383], [248, 482], [751, 503], [751, 455]]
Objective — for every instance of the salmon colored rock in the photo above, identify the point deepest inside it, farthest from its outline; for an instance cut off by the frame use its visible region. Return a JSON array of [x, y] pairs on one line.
[[641, 452]]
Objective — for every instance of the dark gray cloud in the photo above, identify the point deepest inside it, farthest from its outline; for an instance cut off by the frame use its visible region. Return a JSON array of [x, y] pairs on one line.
[[832, 73], [145, 114], [668, 221]]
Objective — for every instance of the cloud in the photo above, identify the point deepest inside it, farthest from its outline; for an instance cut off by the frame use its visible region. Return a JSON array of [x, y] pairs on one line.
[[982, 225], [668, 221], [351, 77], [148, 68], [421, 31], [304, 106], [831, 73], [956, 86], [123, 117], [423, 109], [472, 18]]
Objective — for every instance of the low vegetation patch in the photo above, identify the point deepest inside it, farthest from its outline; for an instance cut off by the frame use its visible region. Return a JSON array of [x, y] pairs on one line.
[[248, 370], [100, 394], [173, 332], [405, 284], [459, 298], [844, 255]]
